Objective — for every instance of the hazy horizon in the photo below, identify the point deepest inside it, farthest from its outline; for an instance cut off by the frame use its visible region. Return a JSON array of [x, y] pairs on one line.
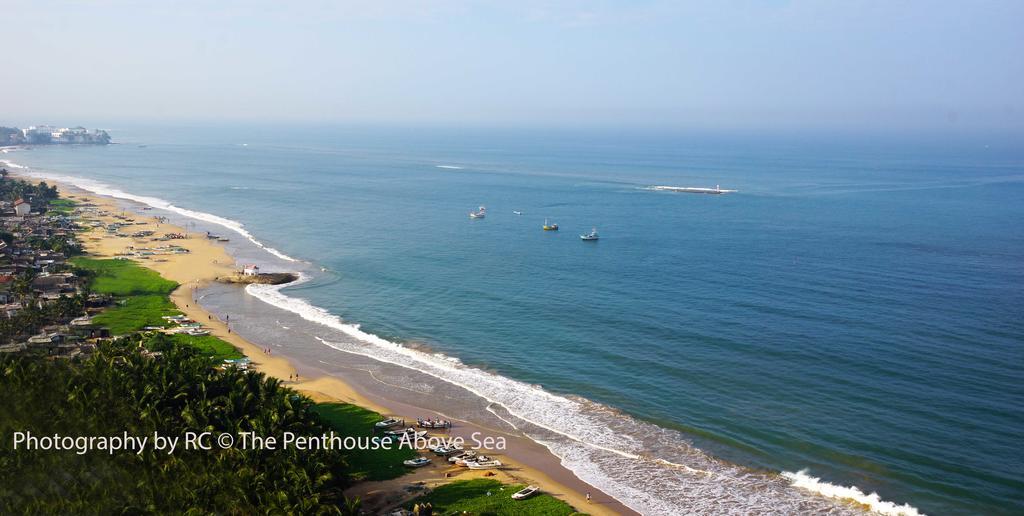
[[910, 66]]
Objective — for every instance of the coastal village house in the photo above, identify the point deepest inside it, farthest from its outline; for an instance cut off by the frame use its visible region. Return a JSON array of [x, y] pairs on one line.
[[22, 208], [250, 270]]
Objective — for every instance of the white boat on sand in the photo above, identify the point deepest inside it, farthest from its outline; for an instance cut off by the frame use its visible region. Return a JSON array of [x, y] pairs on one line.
[[418, 462], [490, 464], [525, 493]]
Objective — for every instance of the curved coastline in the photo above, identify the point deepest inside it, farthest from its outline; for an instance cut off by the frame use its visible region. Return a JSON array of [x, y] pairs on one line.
[[596, 429]]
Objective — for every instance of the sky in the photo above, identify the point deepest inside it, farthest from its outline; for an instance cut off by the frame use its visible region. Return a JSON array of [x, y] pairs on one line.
[[744, 64]]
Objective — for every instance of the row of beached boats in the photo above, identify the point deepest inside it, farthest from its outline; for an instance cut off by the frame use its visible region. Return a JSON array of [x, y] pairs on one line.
[[392, 422], [184, 325]]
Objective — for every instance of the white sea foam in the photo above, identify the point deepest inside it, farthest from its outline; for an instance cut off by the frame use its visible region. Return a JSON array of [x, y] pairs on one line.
[[603, 447], [452, 167], [804, 481], [99, 188]]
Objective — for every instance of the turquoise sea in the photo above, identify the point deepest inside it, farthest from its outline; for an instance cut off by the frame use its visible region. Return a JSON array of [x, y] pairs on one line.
[[853, 314]]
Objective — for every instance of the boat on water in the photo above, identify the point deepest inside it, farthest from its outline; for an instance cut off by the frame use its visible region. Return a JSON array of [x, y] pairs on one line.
[[387, 423], [590, 237], [514, 212], [525, 493], [480, 213], [550, 226], [418, 462]]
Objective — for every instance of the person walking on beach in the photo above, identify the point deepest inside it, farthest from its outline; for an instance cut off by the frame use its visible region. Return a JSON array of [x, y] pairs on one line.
[[588, 496]]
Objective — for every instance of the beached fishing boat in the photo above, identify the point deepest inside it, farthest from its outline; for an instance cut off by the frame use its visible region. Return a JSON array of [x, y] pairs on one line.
[[466, 461], [525, 493], [418, 462], [446, 450], [550, 227], [489, 464], [197, 332], [590, 237], [411, 432], [480, 213], [464, 456], [387, 423]]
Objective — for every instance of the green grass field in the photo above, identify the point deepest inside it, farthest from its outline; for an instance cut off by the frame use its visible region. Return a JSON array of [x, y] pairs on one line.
[[209, 345], [471, 496], [63, 206], [124, 278], [141, 294], [351, 420]]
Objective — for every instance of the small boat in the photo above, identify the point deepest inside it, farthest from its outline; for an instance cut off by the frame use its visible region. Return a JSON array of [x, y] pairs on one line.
[[550, 227], [223, 239], [387, 423], [196, 332], [411, 432], [464, 456], [446, 450], [525, 493], [479, 213], [418, 462], [514, 212], [590, 237], [466, 461], [488, 464]]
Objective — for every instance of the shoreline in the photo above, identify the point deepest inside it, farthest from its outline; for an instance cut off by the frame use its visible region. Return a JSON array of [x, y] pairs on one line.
[[527, 461]]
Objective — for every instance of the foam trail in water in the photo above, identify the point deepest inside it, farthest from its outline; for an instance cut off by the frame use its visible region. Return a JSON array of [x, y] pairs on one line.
[[804, 481], [99, 188], [452, 167]]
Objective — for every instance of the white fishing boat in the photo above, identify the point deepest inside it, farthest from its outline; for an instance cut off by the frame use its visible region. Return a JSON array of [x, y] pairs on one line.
[[464, 456], [418, 462], [197, 332], [590, 237], [411, 432], [387, 423], [525, 493], [446, 450], [489, 464], [466, 461], [480, 213], [514, 212]]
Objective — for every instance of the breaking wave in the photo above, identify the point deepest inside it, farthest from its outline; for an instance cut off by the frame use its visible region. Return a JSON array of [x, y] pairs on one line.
[[804, 481], [609, 450]]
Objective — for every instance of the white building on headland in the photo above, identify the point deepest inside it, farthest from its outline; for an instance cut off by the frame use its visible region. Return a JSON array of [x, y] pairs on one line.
[[250, 270]]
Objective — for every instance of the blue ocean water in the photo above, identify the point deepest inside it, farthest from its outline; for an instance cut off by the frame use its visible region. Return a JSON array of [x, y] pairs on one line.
[[855, 311]]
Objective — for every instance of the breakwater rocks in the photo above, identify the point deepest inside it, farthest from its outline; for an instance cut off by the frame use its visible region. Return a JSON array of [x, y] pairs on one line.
[[264, 278]]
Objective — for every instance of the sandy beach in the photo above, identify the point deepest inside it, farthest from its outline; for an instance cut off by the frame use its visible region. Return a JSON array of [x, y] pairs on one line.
[[526, 461]]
